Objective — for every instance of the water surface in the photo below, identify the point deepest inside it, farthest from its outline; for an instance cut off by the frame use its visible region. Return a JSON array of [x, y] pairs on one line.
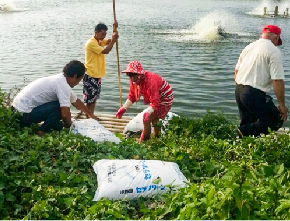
[[175, 39]]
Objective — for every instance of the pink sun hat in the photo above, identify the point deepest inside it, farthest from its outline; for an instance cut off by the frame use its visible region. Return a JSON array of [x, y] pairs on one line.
[[134, 67]]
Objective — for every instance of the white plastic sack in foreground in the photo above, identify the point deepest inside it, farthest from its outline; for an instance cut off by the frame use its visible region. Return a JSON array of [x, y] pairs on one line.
[[93, 129], [136, 124], [134, 178]]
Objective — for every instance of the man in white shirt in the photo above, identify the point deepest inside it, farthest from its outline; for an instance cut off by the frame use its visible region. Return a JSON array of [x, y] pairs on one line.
[[258, 69], [48, 99]]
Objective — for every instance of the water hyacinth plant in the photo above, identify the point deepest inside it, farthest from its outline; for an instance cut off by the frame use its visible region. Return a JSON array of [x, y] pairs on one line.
[[52, 177]]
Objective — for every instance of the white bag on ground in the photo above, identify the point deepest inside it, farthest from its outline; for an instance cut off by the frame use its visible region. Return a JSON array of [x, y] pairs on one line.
[[93, 129], [134, 178], [136, 124]]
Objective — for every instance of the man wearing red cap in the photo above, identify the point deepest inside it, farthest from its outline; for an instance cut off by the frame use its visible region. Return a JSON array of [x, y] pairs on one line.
[[156, 92], [258, 69]]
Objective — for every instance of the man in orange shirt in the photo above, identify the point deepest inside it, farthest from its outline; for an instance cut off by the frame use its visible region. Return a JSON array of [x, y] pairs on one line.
[[95, 49]]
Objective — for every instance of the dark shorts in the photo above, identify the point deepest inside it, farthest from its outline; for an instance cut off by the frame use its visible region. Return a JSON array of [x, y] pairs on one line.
[[91, 89]]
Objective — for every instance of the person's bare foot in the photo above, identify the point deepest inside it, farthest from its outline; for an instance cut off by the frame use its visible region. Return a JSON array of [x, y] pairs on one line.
[[87, 116], [95, 117], [78, 115]]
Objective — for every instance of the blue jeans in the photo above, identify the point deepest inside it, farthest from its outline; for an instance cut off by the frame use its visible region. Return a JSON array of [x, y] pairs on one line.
[[49, 113]]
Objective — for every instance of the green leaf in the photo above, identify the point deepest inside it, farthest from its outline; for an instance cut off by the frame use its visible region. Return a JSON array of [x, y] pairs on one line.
[[10, 197], [281, 169], [157, 180], [1, 198], [1, 185], [210, 194]]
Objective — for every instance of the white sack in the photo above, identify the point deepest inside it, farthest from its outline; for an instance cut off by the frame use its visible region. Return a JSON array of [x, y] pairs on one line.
[[136, 124], [135, 178], [93, 129]]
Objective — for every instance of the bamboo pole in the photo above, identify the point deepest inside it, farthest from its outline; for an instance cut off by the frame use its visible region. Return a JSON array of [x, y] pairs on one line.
[[117, 53]]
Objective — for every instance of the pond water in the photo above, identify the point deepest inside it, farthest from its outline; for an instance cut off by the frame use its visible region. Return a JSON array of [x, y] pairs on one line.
[[178, 40]]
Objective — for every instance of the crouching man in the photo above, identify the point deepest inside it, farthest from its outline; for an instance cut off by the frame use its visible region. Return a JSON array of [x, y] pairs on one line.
[[48, 99], [258, 69]]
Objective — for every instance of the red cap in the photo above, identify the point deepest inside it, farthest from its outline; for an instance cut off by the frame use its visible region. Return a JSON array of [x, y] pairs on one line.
[[273, 29], [134, 67]]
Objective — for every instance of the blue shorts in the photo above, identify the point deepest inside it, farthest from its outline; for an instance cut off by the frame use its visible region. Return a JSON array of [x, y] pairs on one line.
[[91, 89]]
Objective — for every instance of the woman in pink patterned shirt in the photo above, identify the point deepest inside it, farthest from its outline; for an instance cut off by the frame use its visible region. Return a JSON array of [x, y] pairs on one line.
[[156, 92]]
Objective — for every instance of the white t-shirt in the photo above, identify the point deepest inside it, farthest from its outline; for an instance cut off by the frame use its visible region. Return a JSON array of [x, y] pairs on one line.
[[44, 90], [259, 63]]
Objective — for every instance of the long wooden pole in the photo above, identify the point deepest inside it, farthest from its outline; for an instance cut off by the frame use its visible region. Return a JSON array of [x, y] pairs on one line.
[[117, 52]]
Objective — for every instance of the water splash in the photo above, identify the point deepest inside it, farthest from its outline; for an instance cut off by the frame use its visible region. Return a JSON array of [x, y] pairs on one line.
[[270, 5], [284, 6], [215, 26], [9, 6]]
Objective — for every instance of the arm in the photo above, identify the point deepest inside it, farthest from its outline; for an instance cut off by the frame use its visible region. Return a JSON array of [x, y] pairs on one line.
[[127, 104], [154, 96], [66, 116], [235, 74], [108, 41], [132, 92], [153, 88], [81, 106], [111, 43], [115, 26], [279, 89], [123, 109], [237, 67], [130, 100]]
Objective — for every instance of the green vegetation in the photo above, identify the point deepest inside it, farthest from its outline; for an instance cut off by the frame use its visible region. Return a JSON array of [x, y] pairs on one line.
[[52, 177]]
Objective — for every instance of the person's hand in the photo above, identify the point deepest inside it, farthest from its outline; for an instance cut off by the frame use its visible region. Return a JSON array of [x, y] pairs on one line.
[[115, 24], [146, 117], [120, 112], [141, 137], [115, 36], [283, 111]]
